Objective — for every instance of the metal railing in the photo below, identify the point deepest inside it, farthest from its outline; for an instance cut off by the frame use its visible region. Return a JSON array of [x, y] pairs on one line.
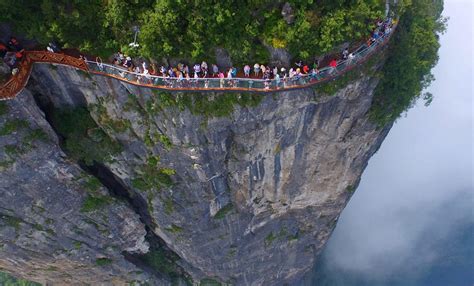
[[17, 82], [241, 84]]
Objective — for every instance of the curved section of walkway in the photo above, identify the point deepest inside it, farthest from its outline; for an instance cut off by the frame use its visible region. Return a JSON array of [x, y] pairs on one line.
[[17, 82], [14, 86]]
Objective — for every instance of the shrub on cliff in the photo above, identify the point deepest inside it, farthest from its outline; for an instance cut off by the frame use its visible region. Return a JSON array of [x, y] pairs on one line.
[[83, 140]]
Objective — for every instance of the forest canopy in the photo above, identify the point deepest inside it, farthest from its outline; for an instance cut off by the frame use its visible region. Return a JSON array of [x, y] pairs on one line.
[[193, 29]]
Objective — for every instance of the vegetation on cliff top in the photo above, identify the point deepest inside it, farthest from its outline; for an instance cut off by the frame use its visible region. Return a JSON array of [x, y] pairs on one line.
[[193, 29], [413, 53]]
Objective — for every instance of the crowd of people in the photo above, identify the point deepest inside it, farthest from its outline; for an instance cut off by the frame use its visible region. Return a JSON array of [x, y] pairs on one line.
[[11, 54], [182, 74], [202, 71]]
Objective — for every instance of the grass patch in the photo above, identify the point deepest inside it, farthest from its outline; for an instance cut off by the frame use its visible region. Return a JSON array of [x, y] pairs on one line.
[[13, 125], [147, 139], [116, 125], [174, 229], [77, 245], [224, 211], [38, 227], [3, 108], [158, 260], [207, 105], [26, 144], [168, 206], [36, 134], [221, 105], [165, 141], [270, 238], [103, 261], [293, 237], [141, 184], [52, 268], [350, 189], [8, 280], [11, 150], [12, 221], [92, 184], [131, 104], [209, 282], [152, 176], [5, 164], [93, 203]]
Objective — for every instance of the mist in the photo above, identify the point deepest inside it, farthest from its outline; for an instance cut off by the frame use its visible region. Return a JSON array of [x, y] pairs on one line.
[[411, 220]]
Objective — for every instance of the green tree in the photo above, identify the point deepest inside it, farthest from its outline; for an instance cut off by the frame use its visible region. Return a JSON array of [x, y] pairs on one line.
[[413, 53], [193, 29]]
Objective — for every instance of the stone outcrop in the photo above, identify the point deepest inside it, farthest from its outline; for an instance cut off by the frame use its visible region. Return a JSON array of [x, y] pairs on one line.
[[255, 192]]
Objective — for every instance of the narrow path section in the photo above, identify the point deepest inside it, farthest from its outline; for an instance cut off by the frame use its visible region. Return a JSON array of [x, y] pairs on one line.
[[361, 54]]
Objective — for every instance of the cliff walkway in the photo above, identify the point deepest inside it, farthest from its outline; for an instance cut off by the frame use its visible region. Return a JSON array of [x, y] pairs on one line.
[[18, 81]]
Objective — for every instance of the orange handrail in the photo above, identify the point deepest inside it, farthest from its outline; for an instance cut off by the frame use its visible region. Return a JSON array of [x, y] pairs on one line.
[[18, 81]]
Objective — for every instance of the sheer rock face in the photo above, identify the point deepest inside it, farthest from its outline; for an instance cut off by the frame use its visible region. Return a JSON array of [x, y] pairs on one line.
[[256, 194], [44, 235]]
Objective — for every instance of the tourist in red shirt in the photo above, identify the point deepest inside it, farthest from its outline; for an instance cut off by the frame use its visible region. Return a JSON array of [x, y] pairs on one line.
[[333, 65], [305, 69]]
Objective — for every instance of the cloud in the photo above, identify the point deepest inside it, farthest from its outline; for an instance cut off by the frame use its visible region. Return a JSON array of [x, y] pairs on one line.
[[411, 218]]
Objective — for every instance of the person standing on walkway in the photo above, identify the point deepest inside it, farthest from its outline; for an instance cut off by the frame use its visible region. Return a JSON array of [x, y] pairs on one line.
[[215, 70], [277, 80], [197, 69], [247, 71], [305, 69], [256, 69], [204, 69], [350, 58], [333, 65], [345, 54], [221, 79]]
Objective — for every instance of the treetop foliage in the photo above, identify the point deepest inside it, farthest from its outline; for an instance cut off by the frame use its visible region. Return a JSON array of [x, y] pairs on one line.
[[413, 53], [193, 29]]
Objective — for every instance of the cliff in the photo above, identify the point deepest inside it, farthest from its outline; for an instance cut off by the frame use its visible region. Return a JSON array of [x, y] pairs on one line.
[[45, 233], [243, 189]]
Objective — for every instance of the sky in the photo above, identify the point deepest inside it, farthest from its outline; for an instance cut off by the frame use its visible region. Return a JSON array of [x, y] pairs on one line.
[[411, 220]]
